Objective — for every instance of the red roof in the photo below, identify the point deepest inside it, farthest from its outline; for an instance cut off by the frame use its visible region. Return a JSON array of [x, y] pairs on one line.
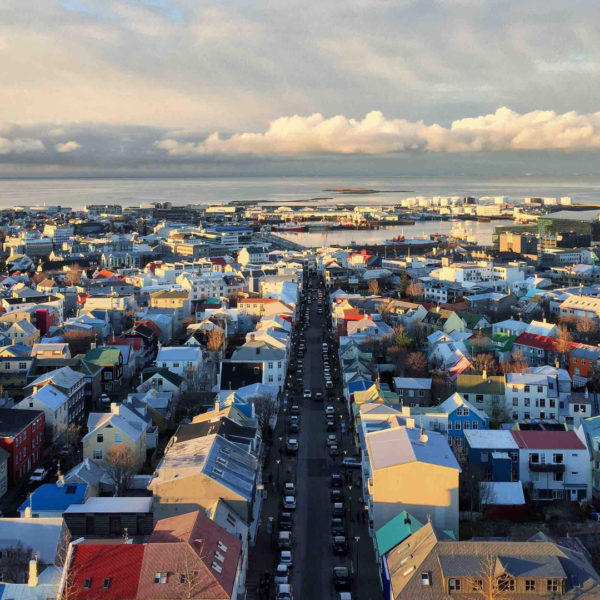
[[135, 343], [286, 318], [217, 260], [544, 342], [259, 300], [353, 314], [548, 440], [104, 274], [151, 325], [121, 563]]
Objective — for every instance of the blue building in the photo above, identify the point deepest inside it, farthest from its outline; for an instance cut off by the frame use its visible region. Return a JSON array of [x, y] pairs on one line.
[[494, 452], [462, 416]]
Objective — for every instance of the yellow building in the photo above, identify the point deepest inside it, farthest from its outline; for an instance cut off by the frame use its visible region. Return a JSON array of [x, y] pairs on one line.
[[413, 471], [120, 426]]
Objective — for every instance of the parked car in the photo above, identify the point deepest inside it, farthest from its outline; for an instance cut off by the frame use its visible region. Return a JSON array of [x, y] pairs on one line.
[[336, 495], [340, 546], [294, 427], [289, 502], [291, 445], [337, 526], [295, 409], [352, 462], [38, 475], [281, 574], [286, 521], [285, 558], [334, 450], [289, 489], [331, 425], [329, 410], [285, 540], [337, 509], [284, 592], [336, 480], [307, 394], [341, 578], [332, 439], [318, 395]]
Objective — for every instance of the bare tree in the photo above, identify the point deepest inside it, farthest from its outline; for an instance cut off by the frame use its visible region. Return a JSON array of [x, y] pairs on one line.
[[586, 327], [490, 583], [190, 579], [397, 356], [215, 339], [120, 466], [415, 290], [485, 362], [374, 287], [73, 276], [518, 364], [14, 563], [265, 408], [416, 363], [564, 342]]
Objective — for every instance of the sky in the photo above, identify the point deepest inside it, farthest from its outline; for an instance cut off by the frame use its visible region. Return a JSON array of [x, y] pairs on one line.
[[196, 87]]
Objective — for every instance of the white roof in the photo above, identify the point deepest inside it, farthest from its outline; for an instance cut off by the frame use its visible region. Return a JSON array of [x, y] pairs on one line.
[[401, 445], [49, 396], [179, 354], [498, 439], [415, 383], [41, 535], [64, 377], [113, 505], [502, 493]]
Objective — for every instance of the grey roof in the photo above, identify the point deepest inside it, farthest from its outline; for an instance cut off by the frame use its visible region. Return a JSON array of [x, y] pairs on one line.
[[496, 439], [101, 505], [257, 351], [41, 535], [400, 445]]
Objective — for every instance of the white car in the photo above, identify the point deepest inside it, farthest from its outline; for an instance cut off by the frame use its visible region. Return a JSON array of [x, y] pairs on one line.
[[330, 410], [281, 574], [284, 592], [38, 475], [285, 558], [289, 489], [289, 503], [307, 394]]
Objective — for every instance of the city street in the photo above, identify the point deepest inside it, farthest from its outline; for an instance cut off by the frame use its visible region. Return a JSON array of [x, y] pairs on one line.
[[311, 469]]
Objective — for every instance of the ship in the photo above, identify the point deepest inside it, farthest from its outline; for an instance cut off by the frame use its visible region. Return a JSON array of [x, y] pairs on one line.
[[290, 227]]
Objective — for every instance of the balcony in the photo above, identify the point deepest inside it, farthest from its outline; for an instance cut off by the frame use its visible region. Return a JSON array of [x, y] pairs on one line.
[[546, 467]]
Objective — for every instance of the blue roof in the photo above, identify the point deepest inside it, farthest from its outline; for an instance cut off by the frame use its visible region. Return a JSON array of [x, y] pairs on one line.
[[359, 386], [50, 496]]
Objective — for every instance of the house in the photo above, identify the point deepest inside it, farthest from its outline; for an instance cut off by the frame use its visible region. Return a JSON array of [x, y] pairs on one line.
[[195, 473], [52, 499], [22, 436], [540, 349], [185, 361], [173, 299], [161, 567], [509, 327], [51, 350], [532, 396], [502, 500], [589, 433], [121, 425], [61, 395], [110, 517], [426, 466], [274, 360], [162, 380], [93, 475], [461, 416], [264, 307], [442, 320], [429, 565], [256, 255], [493, 455], [21, 332], [494, 305], [583, 361], [485, 392], [555, 464], [111, 361], [413, 391]]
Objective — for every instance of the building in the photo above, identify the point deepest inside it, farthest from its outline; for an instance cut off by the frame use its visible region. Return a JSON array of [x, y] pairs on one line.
[[426, 466], [568, 229], [485, 392], [274, 360], [185, 361], [111, 361], [413, 391], [532, 396], [50, 500], [22, 436]]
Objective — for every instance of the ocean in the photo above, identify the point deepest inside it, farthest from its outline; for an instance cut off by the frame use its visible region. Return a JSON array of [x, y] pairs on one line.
[[76, 193]]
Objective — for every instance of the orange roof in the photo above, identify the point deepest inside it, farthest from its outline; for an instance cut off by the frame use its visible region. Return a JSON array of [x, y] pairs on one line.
[[104, 274], [260, 300]]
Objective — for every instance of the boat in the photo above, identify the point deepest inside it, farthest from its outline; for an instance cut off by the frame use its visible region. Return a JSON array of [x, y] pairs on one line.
[[290, 227]]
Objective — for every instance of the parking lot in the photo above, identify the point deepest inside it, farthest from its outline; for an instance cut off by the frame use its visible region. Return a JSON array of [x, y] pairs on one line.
[[321, 509]]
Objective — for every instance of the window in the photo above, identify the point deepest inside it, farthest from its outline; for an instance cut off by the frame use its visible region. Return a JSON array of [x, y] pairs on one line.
[[558, 476], [22, 366], [474, 425], [425, 579], [515, 402], [540, 389], [478, 398], [514, 456], [176, 365], [270, 365], [557, 459], [160, 577], [477, 585], [552, 585], [457, 425], [530, 585], [106, 583], [87, 583], [466, 425], [118, 438], [100, 438], [484, 457], [97, 454], [454, 585], [527, 401], [526, 388], [506, 583], [534, 458]]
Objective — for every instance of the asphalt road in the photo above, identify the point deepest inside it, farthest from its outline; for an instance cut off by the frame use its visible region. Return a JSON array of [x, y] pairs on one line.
[[314, 560]]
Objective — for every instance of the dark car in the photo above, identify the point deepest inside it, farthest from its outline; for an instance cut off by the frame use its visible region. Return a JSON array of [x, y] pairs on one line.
[[331, 426], [337, 495], [336, 480], [295, 409], [341, 578], [286, 521], [340, 546], [294, 427], [337, 526]]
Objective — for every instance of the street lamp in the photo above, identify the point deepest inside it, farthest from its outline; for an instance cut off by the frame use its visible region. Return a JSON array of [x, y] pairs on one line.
[[280, 445], [278, 461]]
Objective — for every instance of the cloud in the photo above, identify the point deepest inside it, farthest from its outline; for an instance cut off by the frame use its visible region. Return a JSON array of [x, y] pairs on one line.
[[20, 145], [67, 146], [503, 130]]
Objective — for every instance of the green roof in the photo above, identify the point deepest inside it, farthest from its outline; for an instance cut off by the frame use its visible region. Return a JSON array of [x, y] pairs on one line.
[[476, 384], [503, 341], [148, 372], [106, 357], [395, 531], [212, 301], [470, 318]]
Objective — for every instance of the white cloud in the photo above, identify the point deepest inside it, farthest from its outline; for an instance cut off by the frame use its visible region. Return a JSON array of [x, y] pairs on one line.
[[67, 146], [503, 130], [20, 145]]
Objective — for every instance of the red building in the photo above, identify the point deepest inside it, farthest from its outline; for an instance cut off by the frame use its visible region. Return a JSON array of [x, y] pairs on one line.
[[44, 319], [22, 436]]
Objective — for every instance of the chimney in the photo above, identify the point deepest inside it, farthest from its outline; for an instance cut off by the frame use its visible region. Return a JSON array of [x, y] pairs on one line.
[[424, 438], [484, 374], [32, 581], [28, 512]]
